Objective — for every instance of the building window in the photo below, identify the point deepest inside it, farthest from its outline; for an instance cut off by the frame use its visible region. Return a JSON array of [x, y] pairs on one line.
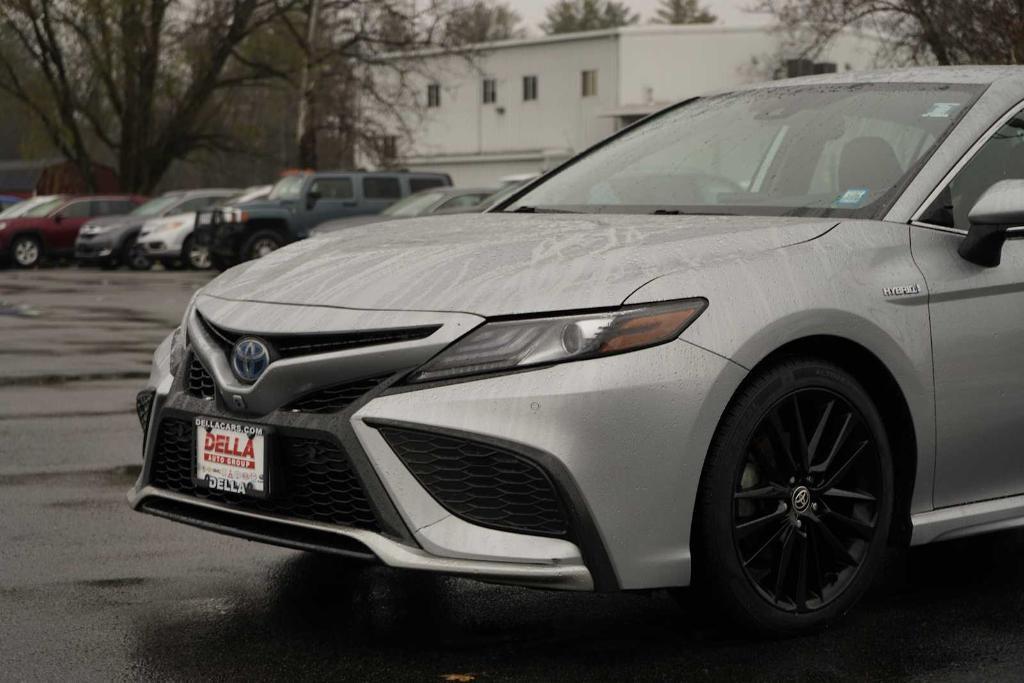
[[434, 95], [589, 82], [529, 88], [806, 67], [490, 91]]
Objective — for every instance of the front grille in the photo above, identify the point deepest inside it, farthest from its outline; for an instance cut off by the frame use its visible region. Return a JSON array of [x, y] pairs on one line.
[[480, 483], [293, 345], [310, 479], [336, 398], [199, 382]]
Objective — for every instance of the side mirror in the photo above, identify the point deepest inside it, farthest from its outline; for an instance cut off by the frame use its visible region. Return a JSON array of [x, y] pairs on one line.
[[1000, 208], [58, 218], [312, 197]]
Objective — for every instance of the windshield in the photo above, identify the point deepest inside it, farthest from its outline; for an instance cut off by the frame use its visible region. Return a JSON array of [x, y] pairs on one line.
[[45, 208], [155, 207], [20, 208], [247, 196], [413, 205], [840, 150], [288, 188]]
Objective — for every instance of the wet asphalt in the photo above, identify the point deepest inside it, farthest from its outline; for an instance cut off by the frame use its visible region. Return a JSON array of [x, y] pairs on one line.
[[92, 591]]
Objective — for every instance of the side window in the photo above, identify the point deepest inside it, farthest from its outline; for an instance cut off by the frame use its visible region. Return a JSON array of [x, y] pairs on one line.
[[381, 188], [333, 188], [111, 207], [196, 204], [1000, 158], [418, 184], [77, 210]]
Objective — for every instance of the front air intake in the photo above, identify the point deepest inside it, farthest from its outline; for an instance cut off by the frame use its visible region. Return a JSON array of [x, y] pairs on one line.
[[483, 484]]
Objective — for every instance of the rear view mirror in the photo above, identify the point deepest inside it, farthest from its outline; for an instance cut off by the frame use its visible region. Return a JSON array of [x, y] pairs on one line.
[[312, 197], [1000, 208]]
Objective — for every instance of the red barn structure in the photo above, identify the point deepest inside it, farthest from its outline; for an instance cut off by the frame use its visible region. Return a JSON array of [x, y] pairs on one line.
[[24, 178]]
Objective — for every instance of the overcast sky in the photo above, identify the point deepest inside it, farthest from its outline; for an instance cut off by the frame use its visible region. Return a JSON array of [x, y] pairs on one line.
[[729, 12]]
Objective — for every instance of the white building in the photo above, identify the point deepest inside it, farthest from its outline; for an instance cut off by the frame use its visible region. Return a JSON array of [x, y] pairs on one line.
[[523, 106]]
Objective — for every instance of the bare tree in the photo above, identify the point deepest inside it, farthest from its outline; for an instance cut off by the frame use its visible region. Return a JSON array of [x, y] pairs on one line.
[[482, 21], [359, 63], [683, 12], [916, 31], [569, 16], [133, 81]]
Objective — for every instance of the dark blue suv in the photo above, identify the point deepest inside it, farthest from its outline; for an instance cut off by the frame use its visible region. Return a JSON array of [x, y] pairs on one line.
[[299, 203]]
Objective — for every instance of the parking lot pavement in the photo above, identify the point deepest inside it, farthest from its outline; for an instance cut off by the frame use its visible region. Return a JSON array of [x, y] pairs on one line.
[[92, 591]]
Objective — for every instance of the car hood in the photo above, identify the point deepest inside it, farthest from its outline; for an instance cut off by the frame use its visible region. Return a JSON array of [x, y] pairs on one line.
[[154, 224], [498, 264], [267, 205]]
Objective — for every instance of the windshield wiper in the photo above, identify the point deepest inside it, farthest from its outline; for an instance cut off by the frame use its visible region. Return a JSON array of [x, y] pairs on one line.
[[678, 212], [538, 209]]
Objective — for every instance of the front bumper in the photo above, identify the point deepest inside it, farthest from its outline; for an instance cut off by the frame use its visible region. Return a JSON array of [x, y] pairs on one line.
[[95, 247], [623, 438], [164, 243]]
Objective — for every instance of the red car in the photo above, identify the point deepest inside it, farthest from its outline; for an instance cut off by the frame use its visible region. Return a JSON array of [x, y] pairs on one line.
[[50, 227]]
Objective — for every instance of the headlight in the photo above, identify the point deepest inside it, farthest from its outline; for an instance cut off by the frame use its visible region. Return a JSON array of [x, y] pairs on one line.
[[514, 344], [177, 354], [179, 338], [3, 225]]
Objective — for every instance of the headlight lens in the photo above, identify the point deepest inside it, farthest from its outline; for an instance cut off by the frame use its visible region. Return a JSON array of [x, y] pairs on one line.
[[514, 344], [177, 354]]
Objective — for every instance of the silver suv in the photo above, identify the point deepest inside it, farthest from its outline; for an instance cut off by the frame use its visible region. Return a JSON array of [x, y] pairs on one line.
[[747, 344]]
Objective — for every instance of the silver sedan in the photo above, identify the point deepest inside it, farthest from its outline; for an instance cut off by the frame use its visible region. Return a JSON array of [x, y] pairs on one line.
[[747, 344]]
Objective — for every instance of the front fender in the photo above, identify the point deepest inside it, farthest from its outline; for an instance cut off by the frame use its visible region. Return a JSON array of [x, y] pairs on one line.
[[831, 286]]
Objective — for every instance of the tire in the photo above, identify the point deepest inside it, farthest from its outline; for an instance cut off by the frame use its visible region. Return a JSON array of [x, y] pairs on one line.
[[780, 548], [26, 251], [194, 256], [133, 256], [259, 244]]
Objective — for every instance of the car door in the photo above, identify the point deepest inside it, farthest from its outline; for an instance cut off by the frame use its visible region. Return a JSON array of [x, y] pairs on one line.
[[977, 318], [336, 199], [66, 223]]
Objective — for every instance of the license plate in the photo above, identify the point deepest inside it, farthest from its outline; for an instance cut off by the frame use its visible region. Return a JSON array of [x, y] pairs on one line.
[[231, 457]]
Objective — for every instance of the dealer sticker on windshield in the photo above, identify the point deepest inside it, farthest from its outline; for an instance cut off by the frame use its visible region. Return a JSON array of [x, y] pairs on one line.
[[231, 457], [854, 197]]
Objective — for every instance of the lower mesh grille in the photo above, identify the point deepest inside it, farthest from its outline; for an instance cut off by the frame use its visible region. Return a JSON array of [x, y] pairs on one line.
[[143, 407], [310, 479], [199, 382], [480, 483]]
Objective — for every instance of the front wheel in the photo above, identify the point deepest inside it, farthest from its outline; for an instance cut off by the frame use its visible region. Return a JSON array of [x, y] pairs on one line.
[[195, 256], [795, 501], [135, 257], [26, 251], [260, 243]]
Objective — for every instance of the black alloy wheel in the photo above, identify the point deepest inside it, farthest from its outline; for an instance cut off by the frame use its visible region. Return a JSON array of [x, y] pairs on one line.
[[805, 505], [797, 498]]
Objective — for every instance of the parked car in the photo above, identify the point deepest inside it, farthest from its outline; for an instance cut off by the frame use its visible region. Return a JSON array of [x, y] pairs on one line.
[[15, 210], [747, 344], [425, 203], [299, 203], [50, 228], [169, 239], [111, 242]]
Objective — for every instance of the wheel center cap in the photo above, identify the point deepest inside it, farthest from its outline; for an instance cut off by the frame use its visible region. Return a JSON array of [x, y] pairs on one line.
[[801, 499]]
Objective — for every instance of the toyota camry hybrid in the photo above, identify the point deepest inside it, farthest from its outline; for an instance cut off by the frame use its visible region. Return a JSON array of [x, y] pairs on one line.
[[746, 344]]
